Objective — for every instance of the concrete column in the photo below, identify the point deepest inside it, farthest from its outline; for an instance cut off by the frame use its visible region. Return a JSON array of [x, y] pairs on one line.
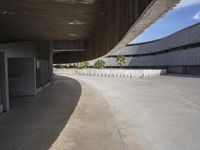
[[4, 82], [51, 46]]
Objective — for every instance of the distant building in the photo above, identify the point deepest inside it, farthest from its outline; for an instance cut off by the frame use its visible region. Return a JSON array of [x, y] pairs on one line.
[[178, 53]]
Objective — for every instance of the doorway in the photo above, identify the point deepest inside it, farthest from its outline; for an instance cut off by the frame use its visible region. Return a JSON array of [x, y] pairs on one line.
[[22, 76]]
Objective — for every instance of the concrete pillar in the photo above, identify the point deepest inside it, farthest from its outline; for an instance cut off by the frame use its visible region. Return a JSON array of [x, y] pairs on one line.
[[51, 46], [4, 83]]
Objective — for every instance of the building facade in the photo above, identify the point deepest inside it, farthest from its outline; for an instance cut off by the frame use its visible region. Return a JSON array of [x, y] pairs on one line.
[[178, 53]]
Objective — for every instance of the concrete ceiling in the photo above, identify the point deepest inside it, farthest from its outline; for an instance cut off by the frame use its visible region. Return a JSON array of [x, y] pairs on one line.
[[37, 20]]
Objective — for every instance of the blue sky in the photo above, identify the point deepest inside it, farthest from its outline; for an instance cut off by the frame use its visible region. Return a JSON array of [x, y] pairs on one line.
[[185, 14]]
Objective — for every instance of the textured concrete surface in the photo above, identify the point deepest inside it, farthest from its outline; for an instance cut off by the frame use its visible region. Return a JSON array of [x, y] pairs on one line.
[[161, 113], [66, 116]]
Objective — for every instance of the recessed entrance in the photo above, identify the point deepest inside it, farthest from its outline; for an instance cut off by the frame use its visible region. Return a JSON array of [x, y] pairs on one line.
[[22, 76]]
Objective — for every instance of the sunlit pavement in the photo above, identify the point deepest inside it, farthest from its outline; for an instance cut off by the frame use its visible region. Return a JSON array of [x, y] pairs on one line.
[[161, 113]]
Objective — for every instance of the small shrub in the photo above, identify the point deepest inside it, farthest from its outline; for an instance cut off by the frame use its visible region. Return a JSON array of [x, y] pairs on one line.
[[83, 65], [100, 64], [65, 66], [74, 65]]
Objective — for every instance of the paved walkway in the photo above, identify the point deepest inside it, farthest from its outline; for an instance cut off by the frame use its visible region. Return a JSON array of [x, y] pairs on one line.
[[66, 116], [103, 113]]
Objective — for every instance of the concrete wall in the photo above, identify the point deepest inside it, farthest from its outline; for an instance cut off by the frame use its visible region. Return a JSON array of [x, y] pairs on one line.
[[25, 49], [44, 64], [22, 76], [38, 50], [21, 69], [42, 72], [113, 72], [176, 58], [21, 72]]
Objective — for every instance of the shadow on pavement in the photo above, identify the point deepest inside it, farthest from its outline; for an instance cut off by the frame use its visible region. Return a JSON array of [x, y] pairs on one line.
[[34, 123]]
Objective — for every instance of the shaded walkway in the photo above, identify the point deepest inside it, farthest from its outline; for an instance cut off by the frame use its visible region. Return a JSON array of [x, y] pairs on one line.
[[34, 123], [69, 115]]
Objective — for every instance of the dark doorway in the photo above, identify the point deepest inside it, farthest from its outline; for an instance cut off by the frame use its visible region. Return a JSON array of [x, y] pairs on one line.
[[22, 76]]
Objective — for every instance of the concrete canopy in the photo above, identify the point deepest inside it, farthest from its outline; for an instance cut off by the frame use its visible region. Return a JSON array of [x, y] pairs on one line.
[[44, 20], [78, 30]]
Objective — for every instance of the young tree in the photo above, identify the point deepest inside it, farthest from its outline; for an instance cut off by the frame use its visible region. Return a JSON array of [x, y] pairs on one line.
[[120, 60]]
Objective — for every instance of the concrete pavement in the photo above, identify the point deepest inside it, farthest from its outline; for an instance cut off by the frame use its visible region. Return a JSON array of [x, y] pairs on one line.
[[161, 113], [103, 113], [92, 125]]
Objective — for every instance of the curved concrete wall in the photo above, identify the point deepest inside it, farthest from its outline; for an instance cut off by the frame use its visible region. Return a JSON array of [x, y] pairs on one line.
[[181, 48], [184, 37], [176, 58]]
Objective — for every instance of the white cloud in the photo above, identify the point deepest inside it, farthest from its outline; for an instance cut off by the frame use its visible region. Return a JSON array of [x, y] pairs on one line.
[[197, 16], [187, 3]]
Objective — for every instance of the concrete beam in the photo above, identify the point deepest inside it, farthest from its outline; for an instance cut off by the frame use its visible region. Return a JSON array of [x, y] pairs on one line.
[[65, 50]]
